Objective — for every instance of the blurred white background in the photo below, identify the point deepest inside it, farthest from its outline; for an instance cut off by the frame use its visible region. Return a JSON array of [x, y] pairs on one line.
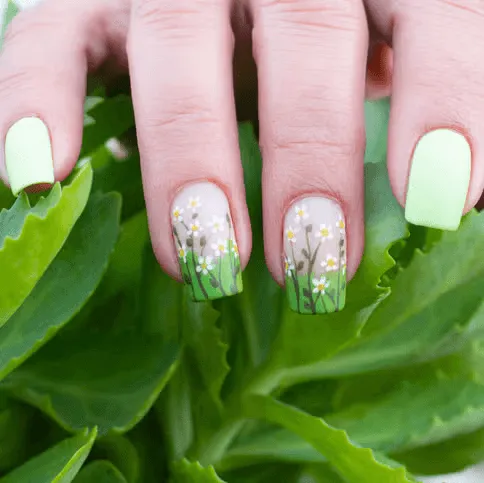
[[472, 475]]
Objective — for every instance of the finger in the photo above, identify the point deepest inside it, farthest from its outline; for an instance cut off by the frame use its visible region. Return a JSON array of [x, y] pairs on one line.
[[436, 157], [312, 136], [187, 137], [43, 68]]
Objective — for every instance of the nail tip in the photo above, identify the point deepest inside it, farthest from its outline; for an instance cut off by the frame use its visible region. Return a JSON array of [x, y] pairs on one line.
[[445, 225], [28, 154]]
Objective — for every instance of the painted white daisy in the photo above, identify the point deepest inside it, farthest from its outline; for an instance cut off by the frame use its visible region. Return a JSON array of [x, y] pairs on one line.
[[340, 224], [330, 264], [217, 224], [235, 249], [194, 203], [182, 252], [177, 214], [220, 248], [288, 266], [320, 285], [194, 229], [301, 213], [204, 265], [324, 232], [291, 235]]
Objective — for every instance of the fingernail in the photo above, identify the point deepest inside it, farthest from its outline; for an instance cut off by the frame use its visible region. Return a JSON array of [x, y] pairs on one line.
[[315, 256], [439, 180], [205, 241], [28, 154]]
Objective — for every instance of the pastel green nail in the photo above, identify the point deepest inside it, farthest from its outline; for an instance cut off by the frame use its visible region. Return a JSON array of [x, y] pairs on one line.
[[28, 154], [439, 180], [315, 256], [205, 242]]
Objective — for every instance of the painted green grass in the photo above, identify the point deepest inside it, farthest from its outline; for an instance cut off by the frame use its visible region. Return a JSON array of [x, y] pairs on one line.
[[302, 299], [223, 280]]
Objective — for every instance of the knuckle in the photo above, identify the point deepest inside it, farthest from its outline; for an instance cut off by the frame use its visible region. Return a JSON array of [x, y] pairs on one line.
[[337, 135], [172, 14], [337, 14], [34, 23]]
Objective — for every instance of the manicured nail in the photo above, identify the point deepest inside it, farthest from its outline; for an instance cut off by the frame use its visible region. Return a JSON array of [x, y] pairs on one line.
[[439, 180], [205, 241], [315, 256], [28, 154]]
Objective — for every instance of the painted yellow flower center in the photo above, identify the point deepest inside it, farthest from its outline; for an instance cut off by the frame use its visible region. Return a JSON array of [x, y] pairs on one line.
[[204, 266], [341, 224], [324, 232], [176, 213], [195, 227], [321, 286], [287, 266], [331, 262], [193, 203], [290, 235], [300, 213], [221, 248], [236, 249], [182, 252]]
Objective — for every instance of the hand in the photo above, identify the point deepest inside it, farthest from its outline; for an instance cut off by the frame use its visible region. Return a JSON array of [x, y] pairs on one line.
[[311, 57]]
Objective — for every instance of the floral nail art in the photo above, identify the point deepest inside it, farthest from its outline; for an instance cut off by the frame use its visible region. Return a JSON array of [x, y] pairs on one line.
[[315, 256], [205, 242]]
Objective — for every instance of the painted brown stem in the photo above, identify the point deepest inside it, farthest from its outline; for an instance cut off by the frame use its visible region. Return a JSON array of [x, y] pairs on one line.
[[197, 274], [339, 273], [230, 245], [294, 277], [310, 269]]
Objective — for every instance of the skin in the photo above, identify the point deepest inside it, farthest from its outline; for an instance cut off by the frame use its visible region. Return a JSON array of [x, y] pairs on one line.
[[316, 62]]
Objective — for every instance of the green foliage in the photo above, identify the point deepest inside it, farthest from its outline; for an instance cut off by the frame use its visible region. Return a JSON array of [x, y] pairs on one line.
[[103, 356]]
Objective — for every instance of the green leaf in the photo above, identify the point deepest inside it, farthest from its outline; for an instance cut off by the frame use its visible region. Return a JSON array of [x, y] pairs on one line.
[[384, 225], [185, 471], [318, 474], [8, 16], [107, 380], [449, 456], [272, 444], [30, 238], [124, 177], [100, 472], [377, 115], [150, 449], [59, 464], [353, 463], [433, 301], [418, 412], [107, 119], [15, 420], [268, 473], [169, 310], [121, 452], [65, 286], [124, 273]]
